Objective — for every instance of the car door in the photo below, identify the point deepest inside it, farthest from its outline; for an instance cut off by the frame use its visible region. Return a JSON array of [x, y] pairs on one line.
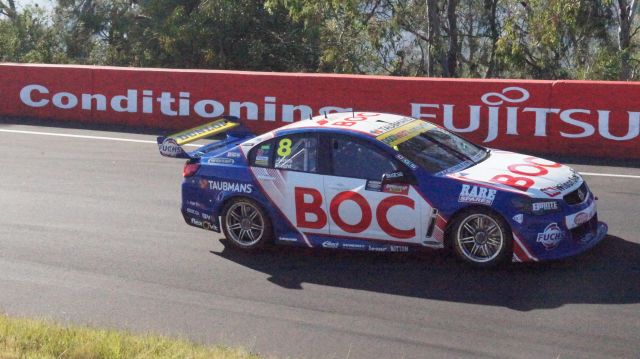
[[286, 167], [359, 206]]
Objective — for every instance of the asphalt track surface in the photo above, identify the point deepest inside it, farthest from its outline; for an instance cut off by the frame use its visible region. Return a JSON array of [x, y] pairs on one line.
[[90, 233]]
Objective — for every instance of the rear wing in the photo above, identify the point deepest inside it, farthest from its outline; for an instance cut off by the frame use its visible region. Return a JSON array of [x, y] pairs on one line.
[[172, 145]]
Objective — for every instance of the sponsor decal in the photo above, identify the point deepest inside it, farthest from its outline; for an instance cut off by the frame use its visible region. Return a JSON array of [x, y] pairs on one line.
[[196, 222], [502, 111], [203, 130], [394, 248], [545, 206], [406, 161], [391, 126], [377, 249], [169, 147], [402, 134], [206, 216], [395, 174], [519, 218], [477, 194], [262, 160], [558, 189], [581, 218], [528, 168], [203, 183], [195, 204], [308, 201], [373, 186], [329, 244], [581, 119], [230, 186], [551, 236], [287, 239], [193, 211], [233, 154], [462, 165], [396, 188], [354, 246], [226, 161]]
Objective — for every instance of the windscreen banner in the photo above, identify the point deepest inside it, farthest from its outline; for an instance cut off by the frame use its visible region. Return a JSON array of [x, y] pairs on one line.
[[585, 118]]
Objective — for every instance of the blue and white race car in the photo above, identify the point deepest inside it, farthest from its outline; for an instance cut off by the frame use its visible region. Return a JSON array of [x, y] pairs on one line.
[[384, 183]]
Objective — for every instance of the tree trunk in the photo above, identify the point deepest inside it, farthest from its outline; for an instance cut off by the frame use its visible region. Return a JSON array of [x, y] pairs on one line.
[[452, 53], [433, 32], [626, 13], [493, 27]]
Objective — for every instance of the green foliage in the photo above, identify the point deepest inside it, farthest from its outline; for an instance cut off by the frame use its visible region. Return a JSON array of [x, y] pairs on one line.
[[20, 338], [546, 39], [28, 38]]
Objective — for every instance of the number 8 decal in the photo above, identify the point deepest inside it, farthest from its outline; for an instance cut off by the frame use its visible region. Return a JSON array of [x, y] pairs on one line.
[[284, 147]]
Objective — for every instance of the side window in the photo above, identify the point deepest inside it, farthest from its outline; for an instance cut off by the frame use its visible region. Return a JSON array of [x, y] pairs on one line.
[[296, 153], [261, 155], [353, 158]]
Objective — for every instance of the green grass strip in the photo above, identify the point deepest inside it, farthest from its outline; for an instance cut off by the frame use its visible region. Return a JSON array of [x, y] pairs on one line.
[[27, 338]]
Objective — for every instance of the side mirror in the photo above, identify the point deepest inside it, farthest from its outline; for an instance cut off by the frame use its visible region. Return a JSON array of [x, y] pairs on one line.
[[398, 177]]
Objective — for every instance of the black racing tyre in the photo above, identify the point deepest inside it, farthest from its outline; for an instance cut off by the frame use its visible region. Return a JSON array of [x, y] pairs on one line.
[[481, 237], [245, 224]]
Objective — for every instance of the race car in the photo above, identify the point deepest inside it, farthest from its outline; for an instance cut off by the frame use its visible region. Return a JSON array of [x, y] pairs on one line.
[[383, 183]]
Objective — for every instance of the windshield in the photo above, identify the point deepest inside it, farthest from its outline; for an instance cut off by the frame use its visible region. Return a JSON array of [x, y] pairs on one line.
[[438, 150]]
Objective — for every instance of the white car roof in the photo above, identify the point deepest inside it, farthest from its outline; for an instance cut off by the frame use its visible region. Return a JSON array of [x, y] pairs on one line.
[[365, 122]]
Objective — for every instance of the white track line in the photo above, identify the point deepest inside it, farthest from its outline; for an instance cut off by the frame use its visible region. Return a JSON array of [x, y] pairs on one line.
[[196, 145], [608, 175], [86, 137]]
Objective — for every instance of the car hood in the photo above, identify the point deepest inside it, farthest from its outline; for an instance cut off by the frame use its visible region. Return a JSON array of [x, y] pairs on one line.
[[533, 176]]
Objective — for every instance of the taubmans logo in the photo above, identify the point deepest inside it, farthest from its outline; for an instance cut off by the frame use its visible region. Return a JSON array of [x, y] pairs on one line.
[[551, 236]]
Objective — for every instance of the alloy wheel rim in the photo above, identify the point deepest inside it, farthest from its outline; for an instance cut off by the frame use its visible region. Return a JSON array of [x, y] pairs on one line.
[[480, 238], [244, 224]]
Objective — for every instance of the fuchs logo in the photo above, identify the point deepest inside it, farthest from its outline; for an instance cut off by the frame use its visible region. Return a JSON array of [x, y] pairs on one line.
[[477, 194], [170, 148], [551, 236]]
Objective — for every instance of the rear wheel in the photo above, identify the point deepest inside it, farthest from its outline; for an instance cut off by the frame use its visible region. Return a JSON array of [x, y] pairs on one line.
[[481, 237], [246, 224]]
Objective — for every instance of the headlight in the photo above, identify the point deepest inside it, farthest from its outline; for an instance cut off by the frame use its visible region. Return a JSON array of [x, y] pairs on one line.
[[536, 207]]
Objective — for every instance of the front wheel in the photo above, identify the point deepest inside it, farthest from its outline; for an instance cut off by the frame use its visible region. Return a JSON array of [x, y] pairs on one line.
[[245, 224], [481, 238]]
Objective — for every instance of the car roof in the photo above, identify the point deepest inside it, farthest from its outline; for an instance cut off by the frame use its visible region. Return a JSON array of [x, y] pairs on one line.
[[370, 123]]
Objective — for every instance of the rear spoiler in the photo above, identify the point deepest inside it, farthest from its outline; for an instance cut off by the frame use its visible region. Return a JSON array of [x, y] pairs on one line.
[[171, 146]]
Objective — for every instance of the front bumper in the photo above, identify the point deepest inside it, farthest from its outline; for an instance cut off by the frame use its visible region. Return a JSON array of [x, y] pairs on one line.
[[576, 241]]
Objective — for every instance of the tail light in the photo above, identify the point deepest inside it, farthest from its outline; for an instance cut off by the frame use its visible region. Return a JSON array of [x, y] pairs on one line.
[[190, 168]]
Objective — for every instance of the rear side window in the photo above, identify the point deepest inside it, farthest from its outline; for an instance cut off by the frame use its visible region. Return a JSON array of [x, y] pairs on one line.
[[295, 153], [261, 155]]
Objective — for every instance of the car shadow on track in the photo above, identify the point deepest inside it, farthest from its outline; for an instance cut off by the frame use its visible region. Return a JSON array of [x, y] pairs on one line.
[[608, 274]]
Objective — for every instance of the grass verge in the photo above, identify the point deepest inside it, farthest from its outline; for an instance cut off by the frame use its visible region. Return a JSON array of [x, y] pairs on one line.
[[27, 338]]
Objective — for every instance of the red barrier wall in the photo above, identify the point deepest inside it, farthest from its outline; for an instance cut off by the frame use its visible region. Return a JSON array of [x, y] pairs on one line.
[[600, 119]]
